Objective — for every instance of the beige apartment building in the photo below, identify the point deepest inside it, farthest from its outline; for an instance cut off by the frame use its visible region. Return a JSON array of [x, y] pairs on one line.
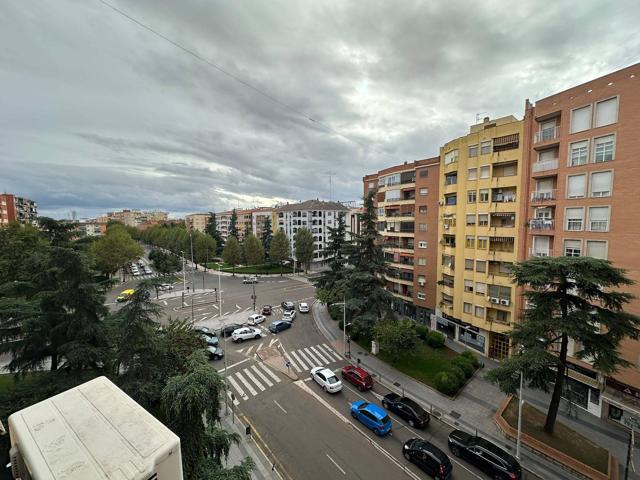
[[407, 206], [197, 221]]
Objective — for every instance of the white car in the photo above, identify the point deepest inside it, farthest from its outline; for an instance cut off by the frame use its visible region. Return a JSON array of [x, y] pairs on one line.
[[245, 333], [303, 307], [165, 286], [250, 280], [326, 379], [256, 318], [288, 315]]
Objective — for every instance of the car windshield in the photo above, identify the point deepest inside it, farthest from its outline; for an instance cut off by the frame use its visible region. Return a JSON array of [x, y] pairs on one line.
[[333, 379], [385, 419], [363, 406]]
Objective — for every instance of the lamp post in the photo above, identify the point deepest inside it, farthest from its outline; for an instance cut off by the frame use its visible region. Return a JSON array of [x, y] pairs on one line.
[[344, 325], [193, 271], [520, 402], [224, 343], [184, 275]]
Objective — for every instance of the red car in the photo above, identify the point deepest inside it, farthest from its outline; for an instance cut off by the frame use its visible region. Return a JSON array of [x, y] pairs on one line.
[[358, 377], [266, 310]]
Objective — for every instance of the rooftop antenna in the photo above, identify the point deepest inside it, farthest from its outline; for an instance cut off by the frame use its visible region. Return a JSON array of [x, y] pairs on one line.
[[478, 116]]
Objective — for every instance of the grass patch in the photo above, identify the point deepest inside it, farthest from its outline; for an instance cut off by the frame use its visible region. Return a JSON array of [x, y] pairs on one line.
[[563, 439], [267, 269]]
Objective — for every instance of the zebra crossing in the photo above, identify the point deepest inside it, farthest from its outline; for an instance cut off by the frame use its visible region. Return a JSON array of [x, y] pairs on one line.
[[304, 359], [251, 381]]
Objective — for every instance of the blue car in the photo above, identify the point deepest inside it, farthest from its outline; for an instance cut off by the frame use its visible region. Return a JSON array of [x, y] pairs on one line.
[[372, 416]]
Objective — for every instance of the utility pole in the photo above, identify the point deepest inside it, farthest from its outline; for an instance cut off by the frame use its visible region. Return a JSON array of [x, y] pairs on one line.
[[184, 274], [193, 271], [224, 343], [344, 325], [519, 417], [254, 296]]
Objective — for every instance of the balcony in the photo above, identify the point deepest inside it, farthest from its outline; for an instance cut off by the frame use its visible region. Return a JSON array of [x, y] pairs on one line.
[[541, 197], [544, 166], [548, 134], [542, 224], [539, 252]]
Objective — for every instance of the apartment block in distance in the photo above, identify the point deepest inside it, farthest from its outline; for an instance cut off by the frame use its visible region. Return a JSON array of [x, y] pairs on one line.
[[479, 203], [406, 200], [17, 209], [582, 162], [197, 221]]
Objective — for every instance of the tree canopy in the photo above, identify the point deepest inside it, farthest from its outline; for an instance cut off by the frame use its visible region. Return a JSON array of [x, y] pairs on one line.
[[232, 253], [114, 250], [303, 246], [280, 248], [266, 236], [253, 250], [212, 230], [233, 225], [332, 284]]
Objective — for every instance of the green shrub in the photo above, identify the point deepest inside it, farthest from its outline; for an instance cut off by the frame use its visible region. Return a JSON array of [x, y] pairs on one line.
[[422, 331], [459, 373], [447, 382], [464, 364], [335, 311], [472, 358], [435, 339]]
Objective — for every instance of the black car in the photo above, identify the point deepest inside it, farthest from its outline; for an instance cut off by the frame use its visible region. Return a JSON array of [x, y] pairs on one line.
[[227, 330], [266, 310], [288, 306], [215, 353], [407, 409], [278, 326], [485, 455], [428, 458]]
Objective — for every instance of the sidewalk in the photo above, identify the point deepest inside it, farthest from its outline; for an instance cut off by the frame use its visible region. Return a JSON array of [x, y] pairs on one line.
[[476, 405]]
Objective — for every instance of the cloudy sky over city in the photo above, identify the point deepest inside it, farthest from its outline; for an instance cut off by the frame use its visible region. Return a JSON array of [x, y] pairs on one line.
[[100, 113]]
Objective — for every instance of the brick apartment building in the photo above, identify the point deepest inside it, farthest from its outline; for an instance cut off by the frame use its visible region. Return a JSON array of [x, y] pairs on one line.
[[17, 209]]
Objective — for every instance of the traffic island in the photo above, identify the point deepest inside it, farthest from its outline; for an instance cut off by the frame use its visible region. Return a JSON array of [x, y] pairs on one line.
[[565, 446], [273, 357]]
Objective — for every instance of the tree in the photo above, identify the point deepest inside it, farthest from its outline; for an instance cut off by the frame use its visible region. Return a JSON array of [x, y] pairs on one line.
[[114, 250], [231, 253], [165, 262], [331, 285], [303, 245], [396, 337], [280, 248], [266, 236], [253, 250], [233, 225], [212, 229], [569, 298], [204, 247]]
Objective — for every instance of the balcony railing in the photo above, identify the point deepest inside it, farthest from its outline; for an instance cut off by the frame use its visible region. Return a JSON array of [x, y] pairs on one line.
[[542, 224], [539, 252], [550, 133], [401, 214], [503, 197], [543, 196], [546, 165]]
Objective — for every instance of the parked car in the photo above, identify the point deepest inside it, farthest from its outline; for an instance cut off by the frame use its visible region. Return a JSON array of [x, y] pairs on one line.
[[278, 326], [289, 315], [407, 409], [165, 286], [125, 295], [141, 262], [372, 416], [210, 339], [428, 458], [256, 318], [288, 306], [201, 329], [215, 353], [326, 379], [227, 330], [147, 270], [250, 280], [136, 273], [303, 307], [358, 377], [488, 457], [267, 310], [245, 333]]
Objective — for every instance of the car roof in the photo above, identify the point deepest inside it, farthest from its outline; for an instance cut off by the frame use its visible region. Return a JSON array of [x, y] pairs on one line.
[[129, 291], [392, 396], [376, 410], [430, 447], [303, 303], [327, 372]]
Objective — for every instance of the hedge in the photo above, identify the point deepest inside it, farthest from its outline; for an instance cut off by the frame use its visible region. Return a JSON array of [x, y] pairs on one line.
[[435, 339]]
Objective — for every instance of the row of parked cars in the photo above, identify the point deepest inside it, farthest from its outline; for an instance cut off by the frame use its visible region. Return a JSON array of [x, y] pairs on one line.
[[140, 268], [485, 455]]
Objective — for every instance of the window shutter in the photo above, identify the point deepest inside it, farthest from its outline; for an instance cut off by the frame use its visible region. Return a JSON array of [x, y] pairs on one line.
[[600, 184], [546, 155], [575, 186], [598, 213], [574, 213], [597, 249], [581, 119], [606, 112], [545, 185]]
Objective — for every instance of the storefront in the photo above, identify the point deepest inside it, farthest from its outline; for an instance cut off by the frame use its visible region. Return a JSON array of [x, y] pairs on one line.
[[459, 331], [582, 389], [403, 308], [621, 403]]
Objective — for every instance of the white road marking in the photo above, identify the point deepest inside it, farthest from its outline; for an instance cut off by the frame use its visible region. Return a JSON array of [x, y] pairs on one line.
[[299, 360], [227, 313], [253, 378], [248, 352], [334, 462], [317, 363], [236, 402], [260, 346], [332, 352], [261, 375], [293, 364], [252, 390], [273, 341], [280, 406], [238, 307], [269, 372], [234, 365], [320, 355], [306, 359], [164, 302], [216, 307], [235, 385], [240, 351]]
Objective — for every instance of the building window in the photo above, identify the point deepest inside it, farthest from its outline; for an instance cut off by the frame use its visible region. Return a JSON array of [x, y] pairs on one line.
[[451, 199], [599, 219], [470, 241], [372, 185], [481, 266], [468, 286], [485, 171], [422, 227], [604, 149], [597, 249], [572, 248], [466, 307], [481, 288], [471, 219], [483, 243], [574, 219], [422, 261], [606, 112], [601, 184], [472, 174], [479, 312], [451, 178], [422, 209], [392, 195], [448, 261], [422, 244], [471, 196], [485, 147], [473, 150], [581, 119], [576, 186], [484, 195], [421, 296], [424, 173], [578, 153], [468, 264], [450, 157], [483, 219], [424, 191], [502, 316]]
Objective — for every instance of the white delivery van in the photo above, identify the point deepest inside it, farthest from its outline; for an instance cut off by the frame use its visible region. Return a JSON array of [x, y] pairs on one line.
[[94, 431]]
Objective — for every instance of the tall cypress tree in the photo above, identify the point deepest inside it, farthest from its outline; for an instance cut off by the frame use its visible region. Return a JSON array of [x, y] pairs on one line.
[[331, 285], [267, 235], [212, 229], [233, 224]]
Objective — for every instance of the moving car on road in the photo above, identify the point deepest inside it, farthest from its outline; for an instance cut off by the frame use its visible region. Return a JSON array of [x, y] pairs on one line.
[[303, 307], [250, 280], [428, 457], [279, 325], [407, 409], [210, 339], [326, 379], [246, 333], [485, 455], [125, 295], [215, 353], [372, 416], [165, 286], [288, 306], [358, 377], [256, 318], [227, 330], [289, 315], [267, 310]]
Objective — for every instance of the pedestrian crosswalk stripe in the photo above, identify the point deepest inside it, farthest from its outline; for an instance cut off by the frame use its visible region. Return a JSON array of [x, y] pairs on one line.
[[306, 359], [332, 352], [273, 341], [216, 307], [235, 385], [294, 364], [319, 362], [260, 346], [252, 390], [236, 402], [261, 375], [320, 355], [248, 352], [253, 378], [270, 373], [302, 364]]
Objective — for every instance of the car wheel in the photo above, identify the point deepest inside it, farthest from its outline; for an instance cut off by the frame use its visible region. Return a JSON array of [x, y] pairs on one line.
[[455, 451], [240, 340], [361, 388], [412, 423], [353, 414], [385, 405], [324, 388], [497, 476], [407, 456], [257, 336]]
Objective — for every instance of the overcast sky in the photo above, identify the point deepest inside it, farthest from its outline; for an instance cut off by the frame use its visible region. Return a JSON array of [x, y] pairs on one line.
[[97, 113]]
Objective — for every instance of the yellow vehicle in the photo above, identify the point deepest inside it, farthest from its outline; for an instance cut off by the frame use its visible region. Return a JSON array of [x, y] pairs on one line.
[[124, 295]]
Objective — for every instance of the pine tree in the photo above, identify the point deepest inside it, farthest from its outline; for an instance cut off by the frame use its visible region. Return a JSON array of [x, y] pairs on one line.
[[331, 285], [267, 236], [303, 245], [280, 248], [212, 230], [233, 225]]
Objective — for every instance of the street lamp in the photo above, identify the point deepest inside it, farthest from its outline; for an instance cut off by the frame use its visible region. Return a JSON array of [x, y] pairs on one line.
[[184, 275], [224, 342], [193, 271], [344, 325], [520, 402]]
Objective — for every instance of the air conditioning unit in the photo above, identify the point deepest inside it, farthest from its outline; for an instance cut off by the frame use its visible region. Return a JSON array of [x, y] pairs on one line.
[[446, 226], [505, 302], [494, 300], [422, 284]]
